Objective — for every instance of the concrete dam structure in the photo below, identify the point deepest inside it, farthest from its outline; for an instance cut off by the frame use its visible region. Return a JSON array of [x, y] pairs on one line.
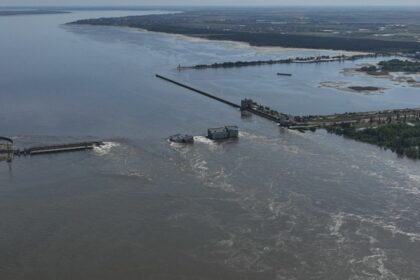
[[219, 133], [358, 119], [222, 133], [7, 151]]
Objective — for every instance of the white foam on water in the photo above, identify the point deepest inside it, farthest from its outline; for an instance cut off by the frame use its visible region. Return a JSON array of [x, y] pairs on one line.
[[221, 180], [278, 144], [181, 148], [337, 222], [105, 148], [306, 135], [185, 148], [274, 207], [375, 175], [376, 261], [137, 174], [411, 176], [251, 136], [210, 144], [376, 221], [203, 140], [391, 227], [200, 167], [212, 178], [395, 230], [226, 243], [196, 160], [372, 240], [373, 265]]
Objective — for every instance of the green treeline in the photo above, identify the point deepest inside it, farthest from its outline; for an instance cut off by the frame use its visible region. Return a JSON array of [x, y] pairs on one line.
[[401, 138], [310, 59], [315, 42], [393, 65], [231, 64], [396, 65]]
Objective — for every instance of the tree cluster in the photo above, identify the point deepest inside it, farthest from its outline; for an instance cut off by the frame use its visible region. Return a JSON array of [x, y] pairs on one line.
[[401, 138]]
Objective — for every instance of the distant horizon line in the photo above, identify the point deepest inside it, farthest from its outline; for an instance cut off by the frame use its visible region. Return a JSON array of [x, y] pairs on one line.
[[204, 6]]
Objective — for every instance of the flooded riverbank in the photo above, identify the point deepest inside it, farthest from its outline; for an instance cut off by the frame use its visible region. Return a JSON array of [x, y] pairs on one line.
[[276, 204]]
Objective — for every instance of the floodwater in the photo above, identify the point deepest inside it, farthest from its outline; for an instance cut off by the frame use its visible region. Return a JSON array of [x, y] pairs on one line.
[[275, 204]]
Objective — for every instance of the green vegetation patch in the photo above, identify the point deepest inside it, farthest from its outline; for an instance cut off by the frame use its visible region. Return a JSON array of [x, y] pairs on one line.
[[393, 65], [401, 138], [397, 65]]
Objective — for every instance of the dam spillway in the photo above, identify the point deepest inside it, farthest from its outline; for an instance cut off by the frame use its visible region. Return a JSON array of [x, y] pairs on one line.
[[46, 149], [50, 149]]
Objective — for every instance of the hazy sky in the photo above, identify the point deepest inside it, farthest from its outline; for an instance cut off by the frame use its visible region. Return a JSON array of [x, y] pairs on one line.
[[208, 2]]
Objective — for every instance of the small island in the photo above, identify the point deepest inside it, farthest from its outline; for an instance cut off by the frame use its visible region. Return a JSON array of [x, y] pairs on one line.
[[393, 65], [365, 88], [347, 87], [399, 71], [296, 60]]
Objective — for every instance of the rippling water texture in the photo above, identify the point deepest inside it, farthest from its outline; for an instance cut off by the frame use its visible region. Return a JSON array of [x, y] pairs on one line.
[[275, 204]]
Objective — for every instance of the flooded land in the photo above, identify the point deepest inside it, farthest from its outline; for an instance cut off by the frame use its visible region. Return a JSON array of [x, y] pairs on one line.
[[273, 204]]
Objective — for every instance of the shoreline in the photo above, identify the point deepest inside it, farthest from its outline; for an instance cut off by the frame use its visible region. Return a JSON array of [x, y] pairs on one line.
[[244, 45], [399, 78]]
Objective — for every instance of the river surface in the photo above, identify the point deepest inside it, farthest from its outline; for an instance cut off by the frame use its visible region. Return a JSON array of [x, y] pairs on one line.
[[275, 204]]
